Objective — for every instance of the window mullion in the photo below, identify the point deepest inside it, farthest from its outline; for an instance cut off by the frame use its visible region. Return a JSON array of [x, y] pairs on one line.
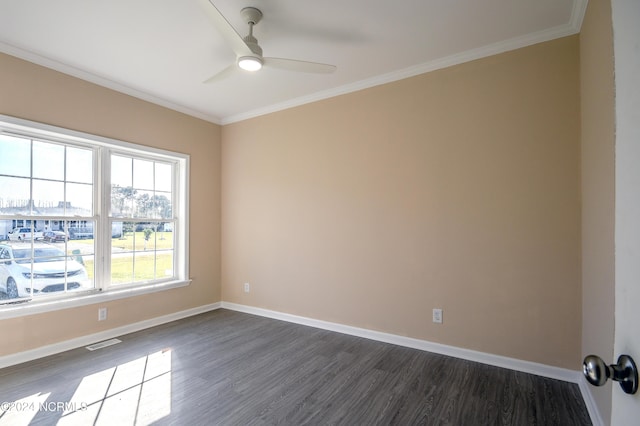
[[103, 199]]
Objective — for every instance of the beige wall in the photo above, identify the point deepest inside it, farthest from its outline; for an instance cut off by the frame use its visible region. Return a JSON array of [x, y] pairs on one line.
[[598, 187], [39, 94], [457, 189]]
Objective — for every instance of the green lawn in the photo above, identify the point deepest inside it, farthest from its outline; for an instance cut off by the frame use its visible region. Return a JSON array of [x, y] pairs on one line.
[[122, 268], [158, 241], [149, 265]]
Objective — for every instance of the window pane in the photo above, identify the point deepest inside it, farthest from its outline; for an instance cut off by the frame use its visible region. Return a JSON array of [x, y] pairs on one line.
[[122, 253], [163, 205], [163, 177], [5, 227], [116, 230], [164, 239], [164, 264], [122, 268], [79, 165], [121, 171], [142, 174], [48, 161], [122, 201], [14, 195], [47, 196], [15, 268], [144, 204], [15, 156], [145, 267], [149, 236], [79, 199], [81, 230], [54, 232]]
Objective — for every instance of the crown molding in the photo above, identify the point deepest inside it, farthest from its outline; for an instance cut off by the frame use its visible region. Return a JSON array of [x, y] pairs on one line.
[[46, 62], [571, 28]]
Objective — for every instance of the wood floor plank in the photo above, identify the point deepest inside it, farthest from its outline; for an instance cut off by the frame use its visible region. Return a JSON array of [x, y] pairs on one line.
[[230, 368]]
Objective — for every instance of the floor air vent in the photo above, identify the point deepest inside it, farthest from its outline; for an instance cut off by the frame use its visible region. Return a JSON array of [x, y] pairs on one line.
[[104, 344]]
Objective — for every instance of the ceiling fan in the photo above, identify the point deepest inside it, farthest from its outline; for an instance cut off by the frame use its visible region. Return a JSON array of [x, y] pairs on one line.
[[248, 51]]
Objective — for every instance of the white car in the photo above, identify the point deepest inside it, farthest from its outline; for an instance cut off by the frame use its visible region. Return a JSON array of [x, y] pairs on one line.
[[24, 234], [48, 274]]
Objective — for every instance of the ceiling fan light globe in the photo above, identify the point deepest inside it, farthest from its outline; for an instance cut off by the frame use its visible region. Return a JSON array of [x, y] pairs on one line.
[[250, 63]]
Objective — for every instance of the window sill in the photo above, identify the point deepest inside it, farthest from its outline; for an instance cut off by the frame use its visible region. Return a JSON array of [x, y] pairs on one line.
[[38, 307]]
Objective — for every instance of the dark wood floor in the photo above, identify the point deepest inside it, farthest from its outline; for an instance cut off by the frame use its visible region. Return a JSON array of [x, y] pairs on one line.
[[230, 368]]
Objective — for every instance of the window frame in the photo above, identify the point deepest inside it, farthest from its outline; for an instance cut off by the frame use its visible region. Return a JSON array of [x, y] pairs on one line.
[[103, 149], [110, 218]]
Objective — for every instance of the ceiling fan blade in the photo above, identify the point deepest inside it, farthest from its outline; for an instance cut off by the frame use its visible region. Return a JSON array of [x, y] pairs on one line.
[[300, 66], [221, 75], [232, 37]]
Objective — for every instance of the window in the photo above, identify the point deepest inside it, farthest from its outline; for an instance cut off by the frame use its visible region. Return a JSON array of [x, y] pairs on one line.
[[82, 215], [141, 219]]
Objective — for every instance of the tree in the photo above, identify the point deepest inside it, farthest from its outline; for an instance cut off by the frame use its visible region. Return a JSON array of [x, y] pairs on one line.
[[126, 227], [153, 206], [163, 206], [147, 236], [119, 197]]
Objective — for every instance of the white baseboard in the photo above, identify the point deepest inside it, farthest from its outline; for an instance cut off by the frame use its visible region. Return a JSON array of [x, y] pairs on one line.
[[468, 354], [29, 355], [592, 408]]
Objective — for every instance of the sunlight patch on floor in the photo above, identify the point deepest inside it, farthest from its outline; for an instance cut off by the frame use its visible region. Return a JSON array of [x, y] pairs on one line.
[[134, 393], [137, 392]]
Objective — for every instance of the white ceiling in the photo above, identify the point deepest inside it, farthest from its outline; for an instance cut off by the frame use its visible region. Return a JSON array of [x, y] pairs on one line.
[[163, 50]]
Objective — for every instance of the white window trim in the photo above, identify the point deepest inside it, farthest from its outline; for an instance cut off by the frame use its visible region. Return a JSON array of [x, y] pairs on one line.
[[20, 127]]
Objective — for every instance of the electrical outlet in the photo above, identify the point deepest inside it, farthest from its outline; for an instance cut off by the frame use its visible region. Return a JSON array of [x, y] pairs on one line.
[[437, 316], [247, 288], [102, 314]]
